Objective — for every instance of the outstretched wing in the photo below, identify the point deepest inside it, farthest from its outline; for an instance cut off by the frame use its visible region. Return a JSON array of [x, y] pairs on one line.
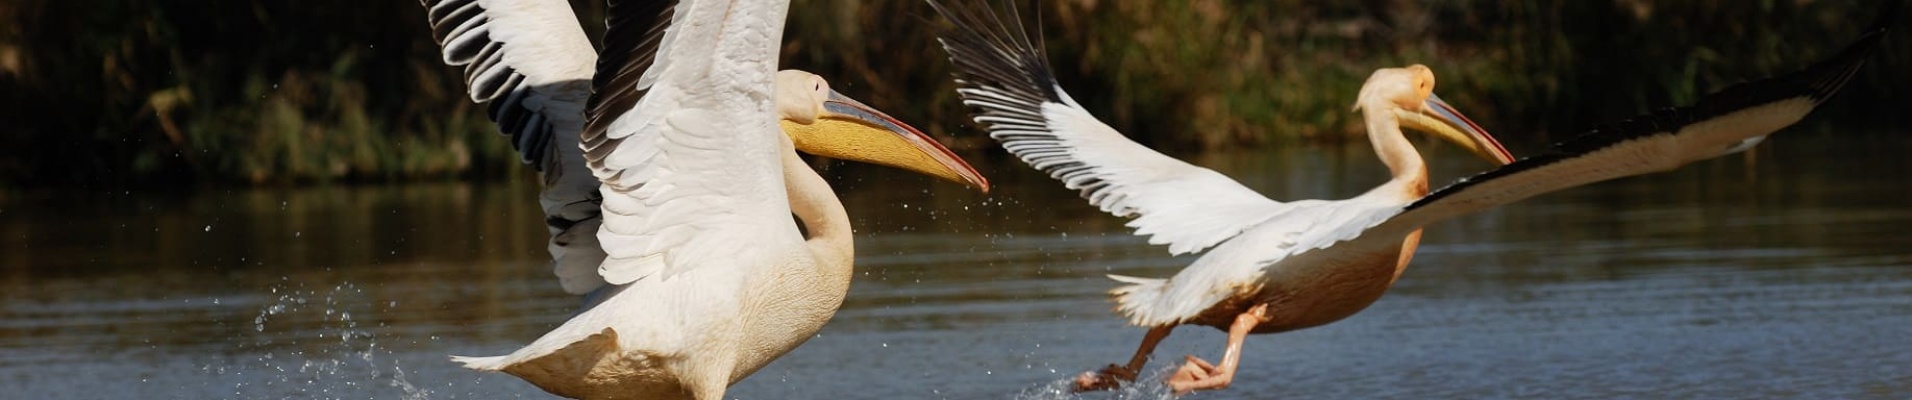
[[1007, 80], [1725, 122], [682, 134]]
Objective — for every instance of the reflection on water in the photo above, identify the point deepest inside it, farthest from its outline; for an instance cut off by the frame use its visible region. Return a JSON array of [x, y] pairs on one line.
[[1784, 273]]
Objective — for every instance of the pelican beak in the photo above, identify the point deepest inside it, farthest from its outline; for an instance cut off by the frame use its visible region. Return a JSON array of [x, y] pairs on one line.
[[849, 130], [1441, 120]]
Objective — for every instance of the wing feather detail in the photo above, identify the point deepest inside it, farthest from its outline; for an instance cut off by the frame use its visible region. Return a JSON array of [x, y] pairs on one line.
[[634, 34], [682, 134], [521, 58], [530, 63], [1006, 80]]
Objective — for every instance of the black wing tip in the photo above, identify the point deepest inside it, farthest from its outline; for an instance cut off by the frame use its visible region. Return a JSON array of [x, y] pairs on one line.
[[634, 30], [992, 47], [1827, 77], [499, 87], [1817, 82]]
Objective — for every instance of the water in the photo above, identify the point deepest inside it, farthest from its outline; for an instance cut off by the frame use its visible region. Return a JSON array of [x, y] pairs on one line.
[[1786, 273]]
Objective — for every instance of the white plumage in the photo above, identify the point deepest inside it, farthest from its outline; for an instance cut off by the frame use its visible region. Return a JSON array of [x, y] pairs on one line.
[[1279, 266], [704, 275]]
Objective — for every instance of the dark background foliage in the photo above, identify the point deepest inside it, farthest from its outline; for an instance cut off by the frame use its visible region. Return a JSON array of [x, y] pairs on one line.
[[109, 93]]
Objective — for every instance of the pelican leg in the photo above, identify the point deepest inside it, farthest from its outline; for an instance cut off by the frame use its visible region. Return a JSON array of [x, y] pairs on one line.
[[1197, 374], [1111, 377]]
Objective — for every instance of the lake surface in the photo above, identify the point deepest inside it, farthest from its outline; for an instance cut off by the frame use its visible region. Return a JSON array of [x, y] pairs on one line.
[[1783, 273]]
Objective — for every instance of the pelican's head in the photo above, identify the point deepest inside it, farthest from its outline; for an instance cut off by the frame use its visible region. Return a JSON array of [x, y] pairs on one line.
[[823, 122], [1408, 94]]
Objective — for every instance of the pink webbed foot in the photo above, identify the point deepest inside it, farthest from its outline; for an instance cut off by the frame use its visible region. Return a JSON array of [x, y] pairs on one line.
[[1197, 374]]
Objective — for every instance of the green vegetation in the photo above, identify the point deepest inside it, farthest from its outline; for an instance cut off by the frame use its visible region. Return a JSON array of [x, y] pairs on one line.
[[115, 92]]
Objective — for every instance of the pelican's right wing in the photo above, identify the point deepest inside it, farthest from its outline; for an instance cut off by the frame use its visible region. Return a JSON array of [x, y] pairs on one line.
[[1725, 122], [682, 134], [1006, 79]]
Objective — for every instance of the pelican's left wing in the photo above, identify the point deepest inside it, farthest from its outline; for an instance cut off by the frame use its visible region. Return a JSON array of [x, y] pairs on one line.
[[1725, 122], [682, 133], [530, 62], [1007, 80]]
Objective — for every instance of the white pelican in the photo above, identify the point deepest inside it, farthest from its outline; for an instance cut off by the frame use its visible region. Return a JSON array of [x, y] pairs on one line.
[[704, 275], [1282, 266]]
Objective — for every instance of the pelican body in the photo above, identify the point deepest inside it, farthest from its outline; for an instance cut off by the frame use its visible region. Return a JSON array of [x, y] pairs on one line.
[[1280, 266], [697, 273]]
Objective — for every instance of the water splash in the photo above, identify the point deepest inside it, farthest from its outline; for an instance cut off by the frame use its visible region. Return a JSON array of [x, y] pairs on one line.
[[1147, 387], [309, 346]]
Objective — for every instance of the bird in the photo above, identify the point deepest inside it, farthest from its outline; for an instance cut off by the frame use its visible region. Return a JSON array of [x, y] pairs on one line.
[[1273, 266], [717, 248]]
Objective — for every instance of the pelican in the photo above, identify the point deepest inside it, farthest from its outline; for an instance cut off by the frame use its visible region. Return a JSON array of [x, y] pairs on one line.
[[1280, 266], [683, 234]]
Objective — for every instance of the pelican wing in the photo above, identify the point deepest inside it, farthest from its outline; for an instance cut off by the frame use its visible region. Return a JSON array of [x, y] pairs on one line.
[[1726, 122], [1006, 79], [528, 59], [634, 33], [682, 134], [530, 62]]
